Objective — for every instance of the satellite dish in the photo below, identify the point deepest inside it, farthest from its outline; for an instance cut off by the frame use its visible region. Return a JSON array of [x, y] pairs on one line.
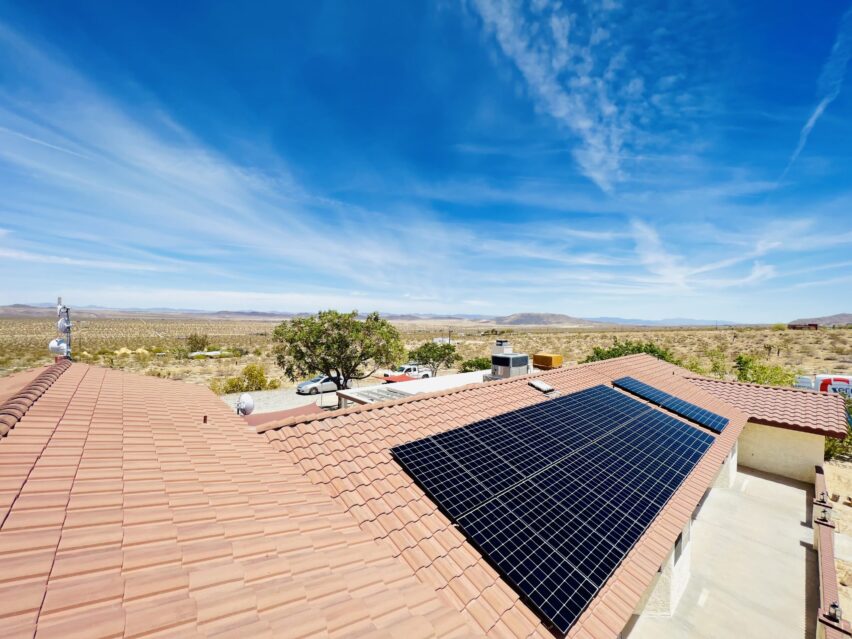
[[245, 404], [58, 347], [63, 325]]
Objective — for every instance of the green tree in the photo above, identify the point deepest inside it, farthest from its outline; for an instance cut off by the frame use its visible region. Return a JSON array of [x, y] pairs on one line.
[[434, 356], [628, 347], [197, 342], [750, 368], [336, 344], [475, 364]]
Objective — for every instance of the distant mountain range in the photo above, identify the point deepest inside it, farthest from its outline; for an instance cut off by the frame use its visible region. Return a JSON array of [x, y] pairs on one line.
[[516, 319], [541, 319], [47, 309], [672, 321], [828, 320]]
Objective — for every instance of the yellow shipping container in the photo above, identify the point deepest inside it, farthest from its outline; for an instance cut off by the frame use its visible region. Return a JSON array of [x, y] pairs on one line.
[[547, 360]]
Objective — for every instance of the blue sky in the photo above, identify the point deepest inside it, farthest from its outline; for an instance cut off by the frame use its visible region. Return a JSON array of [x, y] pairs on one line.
[[641, 159]]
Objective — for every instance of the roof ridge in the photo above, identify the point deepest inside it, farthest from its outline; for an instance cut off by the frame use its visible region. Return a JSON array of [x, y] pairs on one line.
[[16, 406], [363, 408], [756, 385]]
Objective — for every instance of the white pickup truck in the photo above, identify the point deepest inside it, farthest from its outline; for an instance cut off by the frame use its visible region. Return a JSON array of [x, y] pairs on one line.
[[410, 369]]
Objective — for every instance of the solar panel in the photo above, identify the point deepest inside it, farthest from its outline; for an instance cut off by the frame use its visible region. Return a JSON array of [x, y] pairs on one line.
[[556, 494], [687, 410]]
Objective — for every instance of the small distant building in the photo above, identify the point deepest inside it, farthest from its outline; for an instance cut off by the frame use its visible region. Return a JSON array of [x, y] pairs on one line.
[[803, 327]]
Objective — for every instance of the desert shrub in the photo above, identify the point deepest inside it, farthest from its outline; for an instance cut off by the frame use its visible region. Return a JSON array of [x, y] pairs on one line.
[[628, 347], [779, 327], [197, 342], [718, 362], [750, 368], [475, 364], [252, 378], [841, 447], [694, 364]]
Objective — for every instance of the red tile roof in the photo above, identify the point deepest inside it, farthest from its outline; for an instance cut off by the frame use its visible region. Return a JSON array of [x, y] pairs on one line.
[[347, 453], [23, 390], [124, 515], [13, 383], [792, 408], [259, 419]]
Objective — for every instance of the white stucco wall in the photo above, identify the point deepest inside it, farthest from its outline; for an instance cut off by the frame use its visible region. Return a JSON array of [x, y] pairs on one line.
[[663, 596], [728, 472], [659, 600], [780, 451]]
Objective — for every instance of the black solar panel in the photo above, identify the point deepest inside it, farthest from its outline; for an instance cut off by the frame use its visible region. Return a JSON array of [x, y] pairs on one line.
[[557, 493], [693, 413]]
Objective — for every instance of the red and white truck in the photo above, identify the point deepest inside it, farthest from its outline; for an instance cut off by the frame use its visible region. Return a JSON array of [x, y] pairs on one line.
[[826, 383]]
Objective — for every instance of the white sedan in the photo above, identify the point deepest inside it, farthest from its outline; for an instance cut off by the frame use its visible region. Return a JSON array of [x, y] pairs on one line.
[[316, 385]]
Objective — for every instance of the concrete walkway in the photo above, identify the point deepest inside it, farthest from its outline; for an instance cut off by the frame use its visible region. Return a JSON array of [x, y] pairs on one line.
[[754, 570]]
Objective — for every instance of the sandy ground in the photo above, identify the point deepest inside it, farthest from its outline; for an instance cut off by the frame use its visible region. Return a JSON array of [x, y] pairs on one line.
[[152, 346], [282, 399]]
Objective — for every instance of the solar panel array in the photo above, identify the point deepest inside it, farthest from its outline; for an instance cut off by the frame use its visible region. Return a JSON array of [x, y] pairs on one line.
[[556, 494], [687, 410]]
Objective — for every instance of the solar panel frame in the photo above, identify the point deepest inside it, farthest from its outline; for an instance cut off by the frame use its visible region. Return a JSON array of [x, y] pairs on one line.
[[583, 461], [676, 405], [603, 512]]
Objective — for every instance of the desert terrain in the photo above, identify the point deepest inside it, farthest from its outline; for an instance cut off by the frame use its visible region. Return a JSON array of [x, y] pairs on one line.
[[157, 345]]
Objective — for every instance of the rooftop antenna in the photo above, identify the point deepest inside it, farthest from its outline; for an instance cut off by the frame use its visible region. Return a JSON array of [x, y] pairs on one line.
[[61, 346], [245, 404]]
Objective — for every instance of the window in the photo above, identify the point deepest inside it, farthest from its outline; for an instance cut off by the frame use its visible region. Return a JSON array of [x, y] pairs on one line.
[[678, 547]]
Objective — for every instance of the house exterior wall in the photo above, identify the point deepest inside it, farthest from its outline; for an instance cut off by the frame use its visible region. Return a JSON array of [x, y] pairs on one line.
[[780, 451], [728, 471], [662, 597]]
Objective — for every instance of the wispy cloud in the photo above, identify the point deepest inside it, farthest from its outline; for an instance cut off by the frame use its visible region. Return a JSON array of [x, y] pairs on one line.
[[830, 83], [24, 256], [543, 53], [575, 59], [146, 212], [674, 271]]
